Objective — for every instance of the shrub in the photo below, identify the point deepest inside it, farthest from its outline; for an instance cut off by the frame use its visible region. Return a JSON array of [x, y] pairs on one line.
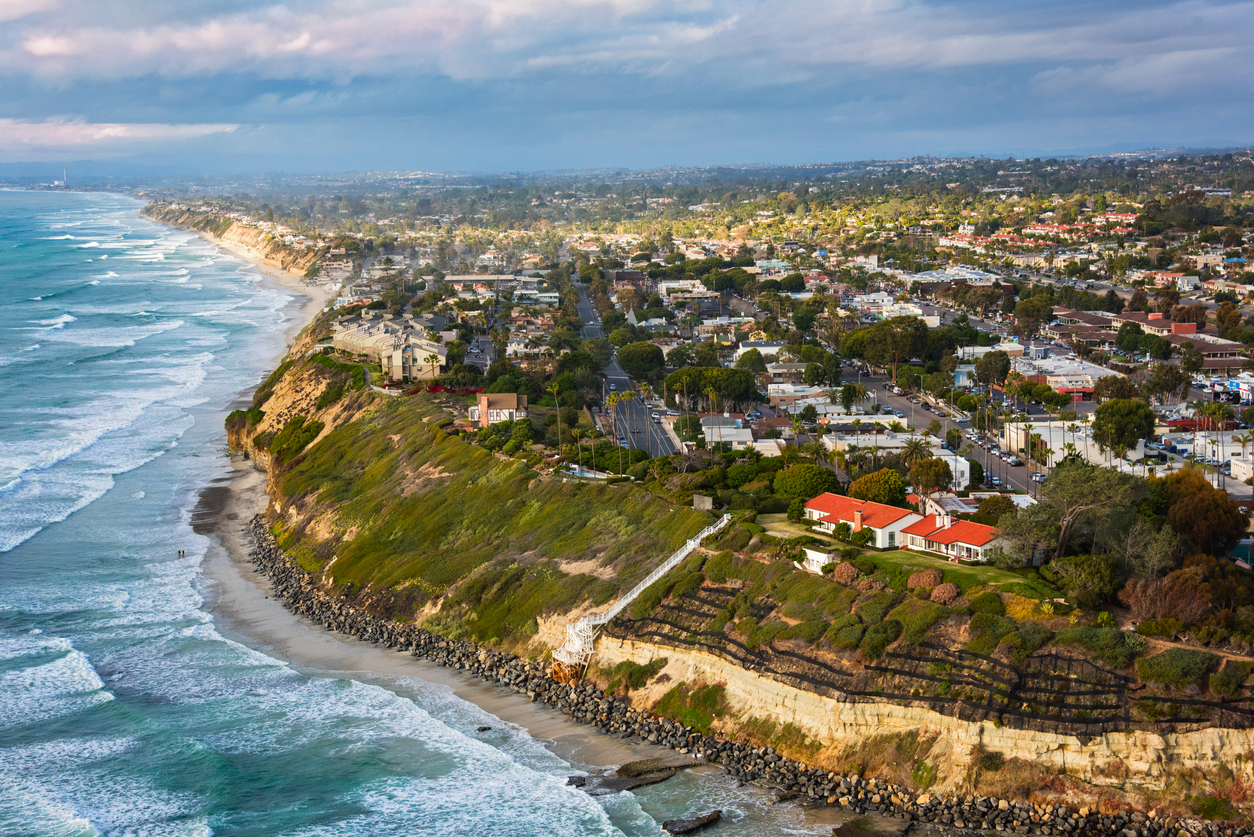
[[691, 584], [810, 631], [989, 602], [928, 579], [844, 573], [1160, 627], [945, 593], [878, 638], [298, 433], [917, 617], [636, 676], [1224, 684], [848, 637], [862, 537], [870, 585], [1027, 640], [987, 630], [1110, 645], [875, 608], [865, 565], [1177, 667]]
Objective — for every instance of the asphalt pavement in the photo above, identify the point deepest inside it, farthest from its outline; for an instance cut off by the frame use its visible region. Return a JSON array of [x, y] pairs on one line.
[[632, 420]]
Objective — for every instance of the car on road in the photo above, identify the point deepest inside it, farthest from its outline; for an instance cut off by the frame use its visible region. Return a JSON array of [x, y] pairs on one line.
[[1015, 462], [613, 387], [996, 481], [1038, 477]]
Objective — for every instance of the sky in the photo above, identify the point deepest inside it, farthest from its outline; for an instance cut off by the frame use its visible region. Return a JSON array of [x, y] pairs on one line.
[[527, 85]]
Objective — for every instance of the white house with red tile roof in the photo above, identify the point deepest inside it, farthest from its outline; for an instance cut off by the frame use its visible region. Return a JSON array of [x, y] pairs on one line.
[[886, 522], [957, 540]]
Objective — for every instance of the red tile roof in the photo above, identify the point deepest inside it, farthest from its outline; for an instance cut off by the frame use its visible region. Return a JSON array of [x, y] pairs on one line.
[[960, 531], [835, 508]]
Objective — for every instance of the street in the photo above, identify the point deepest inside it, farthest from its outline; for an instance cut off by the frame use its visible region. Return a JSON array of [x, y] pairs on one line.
[[631, 421]]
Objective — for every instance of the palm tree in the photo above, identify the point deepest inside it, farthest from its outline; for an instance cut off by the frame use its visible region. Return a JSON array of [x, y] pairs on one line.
[[857, 426], [577, 433], [552, 388], [915, 449], [796, 428]]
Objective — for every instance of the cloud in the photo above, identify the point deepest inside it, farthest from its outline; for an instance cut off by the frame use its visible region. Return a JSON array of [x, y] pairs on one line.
[[71, 135]]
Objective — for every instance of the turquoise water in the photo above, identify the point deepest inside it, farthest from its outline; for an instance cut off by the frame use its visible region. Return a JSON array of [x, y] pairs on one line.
[[122, 709]]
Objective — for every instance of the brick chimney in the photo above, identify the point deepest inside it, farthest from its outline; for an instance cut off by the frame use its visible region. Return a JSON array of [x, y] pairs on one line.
[[1155, 316], [857, 520]]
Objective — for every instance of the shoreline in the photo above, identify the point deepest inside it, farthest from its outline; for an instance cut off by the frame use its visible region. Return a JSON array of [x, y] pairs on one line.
[[241, 602], [240, 598]]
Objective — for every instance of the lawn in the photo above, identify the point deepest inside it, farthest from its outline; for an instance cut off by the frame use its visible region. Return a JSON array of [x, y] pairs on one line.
[[966, 577]]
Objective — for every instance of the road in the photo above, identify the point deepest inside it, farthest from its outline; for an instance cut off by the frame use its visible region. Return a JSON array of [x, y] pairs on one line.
[[915, 416], [631, 420]]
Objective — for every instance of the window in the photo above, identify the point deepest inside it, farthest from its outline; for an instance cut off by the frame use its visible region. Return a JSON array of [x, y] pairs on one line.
[[892, 538]]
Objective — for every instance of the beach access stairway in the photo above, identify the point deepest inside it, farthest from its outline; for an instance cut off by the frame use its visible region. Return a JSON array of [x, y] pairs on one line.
[[581, 636]]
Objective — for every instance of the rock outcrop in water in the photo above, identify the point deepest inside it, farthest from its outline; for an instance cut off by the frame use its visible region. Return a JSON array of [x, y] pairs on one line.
[[586, 704]]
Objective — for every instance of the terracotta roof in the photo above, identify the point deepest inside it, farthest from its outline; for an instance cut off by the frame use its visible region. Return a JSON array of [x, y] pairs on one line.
[[960, 531], [835, 508]]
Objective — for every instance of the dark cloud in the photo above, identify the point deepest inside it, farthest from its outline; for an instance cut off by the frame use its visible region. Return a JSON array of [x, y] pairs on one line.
[[507, 84]]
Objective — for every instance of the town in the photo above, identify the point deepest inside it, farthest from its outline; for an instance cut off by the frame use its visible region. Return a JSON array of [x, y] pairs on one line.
[[926, 417]]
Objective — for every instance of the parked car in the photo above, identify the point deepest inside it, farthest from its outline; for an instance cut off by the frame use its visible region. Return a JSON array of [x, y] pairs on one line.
[[1015, 462]]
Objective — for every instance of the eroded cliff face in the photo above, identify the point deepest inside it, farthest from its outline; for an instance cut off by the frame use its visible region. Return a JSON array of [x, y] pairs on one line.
[[1143, 766], [247, 241]]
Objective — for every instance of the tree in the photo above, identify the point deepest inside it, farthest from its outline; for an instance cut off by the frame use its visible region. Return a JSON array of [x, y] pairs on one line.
[[1031, 313], [1079, 502], [805, 481], [753, 361], [1113, 386], [892, 341], [1088, 580], [992, 368], [996, 505], [884, 486], [1227, 318], [1209, 518], [621, 336], [915, 450], [1129, 337], [641, 360], [1168, 381], [1191, 359], [1120, 423], [930, 475]]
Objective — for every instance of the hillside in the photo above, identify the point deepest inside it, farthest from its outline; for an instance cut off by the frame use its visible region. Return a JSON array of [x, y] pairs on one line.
[[392, 508], [251, 242], [397, 514]]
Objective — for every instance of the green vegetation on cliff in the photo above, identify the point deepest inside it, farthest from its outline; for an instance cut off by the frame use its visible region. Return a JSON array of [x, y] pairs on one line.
[[419, 515]]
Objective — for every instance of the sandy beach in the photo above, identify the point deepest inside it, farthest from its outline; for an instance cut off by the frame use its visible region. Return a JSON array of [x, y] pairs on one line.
[[239, 599]]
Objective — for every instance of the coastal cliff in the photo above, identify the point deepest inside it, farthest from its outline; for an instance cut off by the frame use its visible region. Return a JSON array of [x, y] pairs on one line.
[[394, 511], [249, 242]]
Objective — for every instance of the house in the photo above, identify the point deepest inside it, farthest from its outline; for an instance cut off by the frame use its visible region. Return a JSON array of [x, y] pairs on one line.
[[957, 540], [885, 522], [497, 407]]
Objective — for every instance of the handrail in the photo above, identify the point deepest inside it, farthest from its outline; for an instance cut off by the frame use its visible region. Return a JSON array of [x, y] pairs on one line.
[[581, 635]]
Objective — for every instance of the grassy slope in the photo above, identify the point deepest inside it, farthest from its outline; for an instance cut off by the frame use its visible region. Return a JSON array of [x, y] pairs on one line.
[[487, 533]]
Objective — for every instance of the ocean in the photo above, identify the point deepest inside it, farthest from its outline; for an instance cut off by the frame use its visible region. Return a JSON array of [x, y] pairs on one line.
[[123, 710]]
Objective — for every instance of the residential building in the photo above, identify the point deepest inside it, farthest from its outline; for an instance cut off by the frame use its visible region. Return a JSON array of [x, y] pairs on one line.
[[495, 407], [885, 522], [956, 540]]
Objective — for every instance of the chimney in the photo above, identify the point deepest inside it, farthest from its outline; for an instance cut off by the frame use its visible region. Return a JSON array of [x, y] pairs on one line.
[[857, 520], [1155, 316], [946, 521]]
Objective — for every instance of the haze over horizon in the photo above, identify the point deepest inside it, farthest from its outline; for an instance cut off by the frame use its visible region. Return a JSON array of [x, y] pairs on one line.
[[488, 85]]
